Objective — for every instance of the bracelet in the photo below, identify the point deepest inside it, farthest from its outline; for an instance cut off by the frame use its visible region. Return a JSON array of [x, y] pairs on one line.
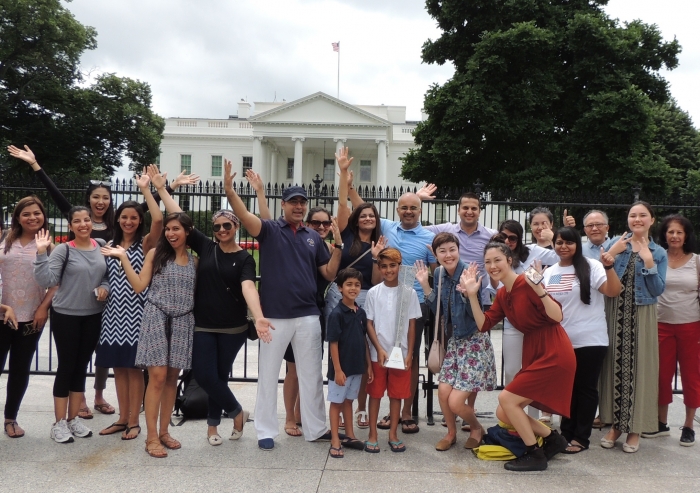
[[544, 295], [608, 267], [32, 164]]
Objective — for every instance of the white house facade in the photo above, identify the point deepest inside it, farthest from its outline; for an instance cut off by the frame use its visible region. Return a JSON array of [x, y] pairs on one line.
[[292, 142]]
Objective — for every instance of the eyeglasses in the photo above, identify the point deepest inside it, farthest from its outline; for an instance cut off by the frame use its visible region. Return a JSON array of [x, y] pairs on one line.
[[226, 226], [513, 238], [595, 226], [107, 184], [317, 224], [405, 208], [297, 202]]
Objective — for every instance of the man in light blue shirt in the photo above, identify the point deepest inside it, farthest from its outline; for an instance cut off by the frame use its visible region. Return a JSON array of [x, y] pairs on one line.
[[595, 225]]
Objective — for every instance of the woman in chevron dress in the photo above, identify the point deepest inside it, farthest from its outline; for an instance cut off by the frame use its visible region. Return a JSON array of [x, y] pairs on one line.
[[121, 319]]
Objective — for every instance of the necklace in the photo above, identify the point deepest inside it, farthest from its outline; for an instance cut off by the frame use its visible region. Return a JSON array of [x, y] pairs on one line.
[[99, 226]]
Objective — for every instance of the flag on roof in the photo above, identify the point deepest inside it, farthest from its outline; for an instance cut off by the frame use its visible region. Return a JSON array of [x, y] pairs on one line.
[[336, 46]]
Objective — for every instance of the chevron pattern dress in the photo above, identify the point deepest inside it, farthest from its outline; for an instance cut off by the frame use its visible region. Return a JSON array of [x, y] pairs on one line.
[[121, 319]]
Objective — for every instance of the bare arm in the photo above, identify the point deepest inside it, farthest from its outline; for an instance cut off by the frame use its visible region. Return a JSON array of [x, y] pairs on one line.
[[330, 270], [150, 240], [138, 281], [382, 355], [251, 222], [158, 181], [259, 187], [612, 286], [343, 210], [252, 299]]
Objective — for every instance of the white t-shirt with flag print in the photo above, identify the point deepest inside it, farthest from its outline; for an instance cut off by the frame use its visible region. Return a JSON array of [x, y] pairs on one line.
[[585, 324]]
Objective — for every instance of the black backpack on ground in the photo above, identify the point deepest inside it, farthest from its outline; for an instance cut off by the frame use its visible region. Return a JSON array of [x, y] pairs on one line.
[[192, 402]]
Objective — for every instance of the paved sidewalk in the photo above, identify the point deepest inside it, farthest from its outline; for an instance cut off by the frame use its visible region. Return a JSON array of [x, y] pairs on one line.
[[105, 464]]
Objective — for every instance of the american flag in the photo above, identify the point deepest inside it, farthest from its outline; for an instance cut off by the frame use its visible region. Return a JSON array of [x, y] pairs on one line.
[[560, 283], [336, 46]]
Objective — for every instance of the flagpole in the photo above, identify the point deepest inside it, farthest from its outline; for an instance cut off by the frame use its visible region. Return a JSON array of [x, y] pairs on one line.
[[338, 89]]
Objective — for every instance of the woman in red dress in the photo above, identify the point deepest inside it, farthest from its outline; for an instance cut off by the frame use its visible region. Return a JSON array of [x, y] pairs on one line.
[[547, 376]]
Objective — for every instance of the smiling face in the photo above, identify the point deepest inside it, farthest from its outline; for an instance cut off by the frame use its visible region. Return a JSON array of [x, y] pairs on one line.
[[639, 220], [321, 223], [596, 228], [675, 235], [539, 223], [31, 219], [351, 288], [565, 249], [129, 220], [81, 225], [511, 239], [99, 202], [447, 255], [367, 220], [175, 233], [294, 210], [469, 212], [497, 265], [227, 230], [409, 210], [389, 270]]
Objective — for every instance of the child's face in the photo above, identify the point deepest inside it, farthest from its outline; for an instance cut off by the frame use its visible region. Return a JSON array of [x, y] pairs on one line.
[[389, 270], [351, 289]]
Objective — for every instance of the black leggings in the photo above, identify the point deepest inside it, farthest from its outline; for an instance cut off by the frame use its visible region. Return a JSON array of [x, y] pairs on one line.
[[21, 350], [75, 338]]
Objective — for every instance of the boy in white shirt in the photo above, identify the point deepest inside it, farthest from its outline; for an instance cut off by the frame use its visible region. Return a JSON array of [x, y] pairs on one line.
[[381, 308]]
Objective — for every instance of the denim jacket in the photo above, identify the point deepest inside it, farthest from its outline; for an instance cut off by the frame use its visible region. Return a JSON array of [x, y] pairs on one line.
[[463, 323], [648, 283]]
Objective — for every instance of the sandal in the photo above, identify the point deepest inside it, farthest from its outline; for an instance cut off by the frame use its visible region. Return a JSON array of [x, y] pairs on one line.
[[578, 448], [126, 436], [409, 426], [120, 427], [85, 413], [292, 431], [397, 446], [155, 449], [14, 434], [169, 442], [372, 447], [385, 423], [341, 423], [361, 420], [104, 408], [337, 453], [352, 443]]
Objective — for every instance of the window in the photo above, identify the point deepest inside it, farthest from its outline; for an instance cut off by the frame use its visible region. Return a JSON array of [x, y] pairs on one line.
[[157, 161], [184, 202], [247, 163], [290, 168], [440, 213], [366, 170], [216, 203], [186, 163], [216, 162], [329, 170]]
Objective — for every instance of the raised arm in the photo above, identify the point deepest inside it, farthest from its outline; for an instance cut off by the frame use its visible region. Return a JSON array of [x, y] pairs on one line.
[[355, 198], [158, 181], [256, 182], [612, 286], [27, 156], [344, 164], [330, 270], [251, 222], [151, 238], [138, 281]]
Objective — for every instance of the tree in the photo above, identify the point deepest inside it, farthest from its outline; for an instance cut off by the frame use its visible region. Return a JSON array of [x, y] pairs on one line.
[[547, 95], [73, 128]]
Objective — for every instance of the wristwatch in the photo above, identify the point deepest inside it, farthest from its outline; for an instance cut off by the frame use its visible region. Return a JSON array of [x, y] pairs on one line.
[[338, 245]]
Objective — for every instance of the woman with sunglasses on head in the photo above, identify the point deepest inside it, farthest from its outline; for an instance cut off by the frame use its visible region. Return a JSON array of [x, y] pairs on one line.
[[121, 320], [80, 272], [580, 285], [225, 278], [629, 383], [29, 304], [541, 223], [98, 199]]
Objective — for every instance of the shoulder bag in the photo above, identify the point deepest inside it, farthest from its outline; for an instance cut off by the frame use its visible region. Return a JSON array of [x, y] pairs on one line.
[[437, 348]]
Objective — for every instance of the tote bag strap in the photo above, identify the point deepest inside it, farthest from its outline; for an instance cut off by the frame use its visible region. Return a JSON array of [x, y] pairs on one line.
[[437, 310]]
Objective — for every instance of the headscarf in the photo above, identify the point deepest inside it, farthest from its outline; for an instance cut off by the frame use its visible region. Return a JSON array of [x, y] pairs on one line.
[[228, 215]]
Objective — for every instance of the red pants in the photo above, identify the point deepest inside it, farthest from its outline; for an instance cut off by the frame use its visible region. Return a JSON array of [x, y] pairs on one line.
[[679, 343]]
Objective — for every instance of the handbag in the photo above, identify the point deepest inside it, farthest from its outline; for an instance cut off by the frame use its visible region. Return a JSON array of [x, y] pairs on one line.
[[251, 331], [437, 348]]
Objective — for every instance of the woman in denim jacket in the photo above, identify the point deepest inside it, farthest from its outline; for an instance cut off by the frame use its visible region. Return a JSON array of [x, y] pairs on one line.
[[630, 378], [469, 364]]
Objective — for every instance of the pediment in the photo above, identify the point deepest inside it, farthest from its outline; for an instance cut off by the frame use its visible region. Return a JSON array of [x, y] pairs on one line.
[[319, 109]]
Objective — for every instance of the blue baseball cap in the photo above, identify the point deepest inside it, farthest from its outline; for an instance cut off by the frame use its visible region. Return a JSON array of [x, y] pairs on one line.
[[294, 191]]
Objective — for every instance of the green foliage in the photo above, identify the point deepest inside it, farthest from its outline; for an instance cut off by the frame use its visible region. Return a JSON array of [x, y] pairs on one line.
[[551, 95], [73, 128]]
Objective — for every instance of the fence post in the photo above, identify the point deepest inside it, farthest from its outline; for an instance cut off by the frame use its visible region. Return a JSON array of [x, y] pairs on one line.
[[636, 189], [317, 188]]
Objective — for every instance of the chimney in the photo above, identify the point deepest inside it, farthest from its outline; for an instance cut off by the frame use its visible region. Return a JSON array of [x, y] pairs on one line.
[[243, 110]]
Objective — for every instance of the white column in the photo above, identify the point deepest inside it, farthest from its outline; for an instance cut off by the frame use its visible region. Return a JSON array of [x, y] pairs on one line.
[[381, 163], [298, 153], [274, 175], [258, 157], [339, 144]]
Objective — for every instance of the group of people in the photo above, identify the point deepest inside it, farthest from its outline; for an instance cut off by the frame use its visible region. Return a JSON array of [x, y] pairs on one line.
[[580, 319]]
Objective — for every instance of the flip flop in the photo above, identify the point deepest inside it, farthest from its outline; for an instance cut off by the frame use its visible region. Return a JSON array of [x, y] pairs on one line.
[[128, 430], [155, 449], [353, 443], [361, 420], [374, 447], [292, 431], [397, 446], [85, 413], [339, 454], [121, 427], [411, 424], [580, 448], [105, 408], [386, 419], [342, 423], [14, 425]]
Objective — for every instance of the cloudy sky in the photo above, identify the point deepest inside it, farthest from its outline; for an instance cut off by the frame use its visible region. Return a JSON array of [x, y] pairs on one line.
[[201, 57]]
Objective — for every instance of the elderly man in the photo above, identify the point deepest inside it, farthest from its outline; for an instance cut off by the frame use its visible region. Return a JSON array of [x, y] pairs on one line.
[[595, 225], [291, 256]]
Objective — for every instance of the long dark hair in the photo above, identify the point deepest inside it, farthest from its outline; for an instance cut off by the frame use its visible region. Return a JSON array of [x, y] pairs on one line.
[[118, 233], [164, 250], [108, 217], [354, 225], [581, 265], [520, 252], [498, 241], [690, 244], [16, 227]]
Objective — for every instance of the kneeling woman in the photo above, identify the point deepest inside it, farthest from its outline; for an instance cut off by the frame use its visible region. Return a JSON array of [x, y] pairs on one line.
[[165, 341], [469, 364], [549, 363]]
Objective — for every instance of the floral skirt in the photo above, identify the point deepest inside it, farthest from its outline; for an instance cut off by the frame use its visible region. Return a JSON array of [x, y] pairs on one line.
[[469, 365]]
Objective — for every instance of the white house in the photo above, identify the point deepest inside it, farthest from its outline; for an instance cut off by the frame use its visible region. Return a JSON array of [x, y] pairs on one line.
[[292, 142]]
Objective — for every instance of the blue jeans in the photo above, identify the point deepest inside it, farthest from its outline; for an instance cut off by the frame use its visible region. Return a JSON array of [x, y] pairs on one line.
[[212, 357]]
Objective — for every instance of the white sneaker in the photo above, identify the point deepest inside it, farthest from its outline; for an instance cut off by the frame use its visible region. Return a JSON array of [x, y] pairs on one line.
[[60, 432], [78, 428]]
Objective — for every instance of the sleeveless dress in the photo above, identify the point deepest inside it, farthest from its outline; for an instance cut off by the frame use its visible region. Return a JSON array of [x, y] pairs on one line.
[[121, 319], [168, 322]]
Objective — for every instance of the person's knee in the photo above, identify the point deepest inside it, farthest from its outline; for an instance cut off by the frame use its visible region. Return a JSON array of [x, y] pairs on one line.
[[456, 402], [502, 416]]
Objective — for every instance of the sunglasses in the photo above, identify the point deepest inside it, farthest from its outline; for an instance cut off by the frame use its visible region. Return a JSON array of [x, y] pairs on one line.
[[512, 238], [318, 224], [107, 184], [226, 226]]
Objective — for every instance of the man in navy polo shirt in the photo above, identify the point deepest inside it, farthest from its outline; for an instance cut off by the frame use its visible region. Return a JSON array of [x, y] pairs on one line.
[[291, 256]]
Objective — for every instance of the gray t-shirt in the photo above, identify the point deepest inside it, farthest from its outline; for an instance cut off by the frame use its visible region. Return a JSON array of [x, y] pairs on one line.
[[85, 271]]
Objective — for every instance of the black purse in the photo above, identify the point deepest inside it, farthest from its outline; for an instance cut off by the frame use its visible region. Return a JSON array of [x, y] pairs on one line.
[[251, 331]]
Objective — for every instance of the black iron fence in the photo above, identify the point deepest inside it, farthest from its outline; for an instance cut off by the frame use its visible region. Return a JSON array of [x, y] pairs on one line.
[[202, 200]]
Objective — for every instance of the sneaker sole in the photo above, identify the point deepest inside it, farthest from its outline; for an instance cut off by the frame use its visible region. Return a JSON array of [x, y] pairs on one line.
[[69, 440], [83, 436], [657, 434], [686, 444]]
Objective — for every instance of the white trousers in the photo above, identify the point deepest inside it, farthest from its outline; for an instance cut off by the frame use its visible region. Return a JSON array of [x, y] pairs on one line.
[[304, 333], [513, 359]]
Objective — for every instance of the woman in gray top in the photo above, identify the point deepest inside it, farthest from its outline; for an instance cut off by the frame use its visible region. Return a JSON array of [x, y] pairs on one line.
[[79, 269]]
